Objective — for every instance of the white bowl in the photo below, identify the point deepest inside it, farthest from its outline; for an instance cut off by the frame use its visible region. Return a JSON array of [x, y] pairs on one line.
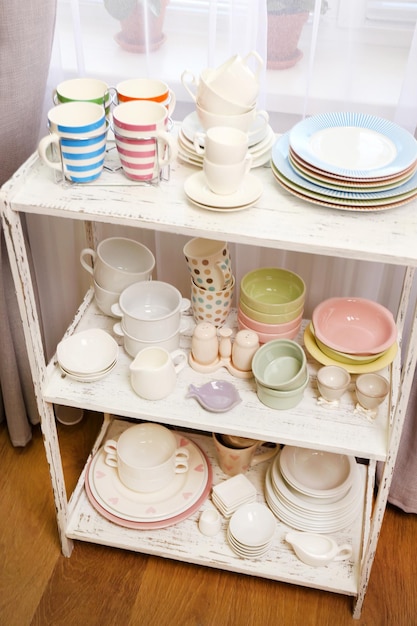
[[87, 352], [315, 472], [150, 310], [133, 346], [252, 525]]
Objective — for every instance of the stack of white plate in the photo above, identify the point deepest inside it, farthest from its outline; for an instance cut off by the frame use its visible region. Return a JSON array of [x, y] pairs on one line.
[[313, 491], [232, 493], [251, 530], [348, 161], [88, 355]]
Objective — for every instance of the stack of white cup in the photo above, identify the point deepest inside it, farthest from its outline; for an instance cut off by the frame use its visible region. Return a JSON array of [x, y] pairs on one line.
[[117, 263], [227, 95]]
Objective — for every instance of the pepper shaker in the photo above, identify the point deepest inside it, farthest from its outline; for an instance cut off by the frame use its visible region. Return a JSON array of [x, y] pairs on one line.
[[204, 344], [244, 347]]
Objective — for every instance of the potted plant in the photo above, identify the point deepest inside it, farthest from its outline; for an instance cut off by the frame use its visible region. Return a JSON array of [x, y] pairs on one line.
[[286, 19], [131, 15]]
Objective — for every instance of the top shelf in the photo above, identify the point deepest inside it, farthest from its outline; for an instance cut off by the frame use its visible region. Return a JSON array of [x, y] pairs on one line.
[[278, 220]]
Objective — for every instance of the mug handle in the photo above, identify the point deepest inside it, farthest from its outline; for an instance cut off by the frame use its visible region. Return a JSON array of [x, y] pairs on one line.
[[268, 454], [187, 74], [259, 61], [172, 102], [171, 144], [116, 310], [44, 144], [199, 142], [86, 266]]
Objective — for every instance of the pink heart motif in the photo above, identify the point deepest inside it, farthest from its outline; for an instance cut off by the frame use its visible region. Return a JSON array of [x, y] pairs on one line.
[[151, 509], [113, 500], [100, 474], [234, 457], [186, 495], [199, 468], [184, 442]]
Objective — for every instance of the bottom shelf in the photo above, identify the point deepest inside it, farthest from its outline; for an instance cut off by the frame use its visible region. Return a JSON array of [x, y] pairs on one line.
[[184, 542]]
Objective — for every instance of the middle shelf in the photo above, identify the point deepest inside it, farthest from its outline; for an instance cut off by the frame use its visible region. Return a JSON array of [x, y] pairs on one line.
[[338, 429]]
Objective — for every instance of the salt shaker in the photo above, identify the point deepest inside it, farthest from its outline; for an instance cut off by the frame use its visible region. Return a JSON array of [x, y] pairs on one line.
[[204, 344], [244, 347]]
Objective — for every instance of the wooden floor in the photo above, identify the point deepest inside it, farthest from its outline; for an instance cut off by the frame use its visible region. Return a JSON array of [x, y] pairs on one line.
[[104, 586]]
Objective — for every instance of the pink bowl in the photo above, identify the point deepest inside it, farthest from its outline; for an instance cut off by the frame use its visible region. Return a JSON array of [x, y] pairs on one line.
[[265, 337], [354, 325], [262, 327]]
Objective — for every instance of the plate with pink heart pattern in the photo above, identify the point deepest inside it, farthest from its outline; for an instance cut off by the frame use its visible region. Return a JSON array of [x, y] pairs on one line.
[[118, 503]]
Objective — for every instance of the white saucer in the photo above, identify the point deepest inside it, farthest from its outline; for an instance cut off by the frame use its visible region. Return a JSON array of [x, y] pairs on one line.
[[257, 132], [198, 192]]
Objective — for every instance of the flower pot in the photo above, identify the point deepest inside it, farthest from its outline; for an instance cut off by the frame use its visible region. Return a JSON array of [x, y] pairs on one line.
[[284, 32], [132, 35]]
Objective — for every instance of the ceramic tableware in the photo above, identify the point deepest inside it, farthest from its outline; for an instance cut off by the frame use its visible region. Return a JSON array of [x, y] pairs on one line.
[[209, 263], [153, 372], [332, 382], [211, 306], [146, 457], [371, 390], [233, 461], [226, 179]]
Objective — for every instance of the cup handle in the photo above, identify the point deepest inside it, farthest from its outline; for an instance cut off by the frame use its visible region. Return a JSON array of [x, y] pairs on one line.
[[88, 252], [110, 447], [44, 144], [181, 460], [344, 552], [268, 454], [116, 310], [248, 163], [199, 143], [187, 74], [117, 329], [263, 115], [185, 305], [55, 96], [171, 144], [258, 59]]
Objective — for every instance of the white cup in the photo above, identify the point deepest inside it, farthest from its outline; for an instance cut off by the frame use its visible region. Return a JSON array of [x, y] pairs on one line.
[[153, 372], [146, 457], [235, 76], [226, 179], [105, 299], [118, 262], [242, 121], [222, 144], [204, 94]]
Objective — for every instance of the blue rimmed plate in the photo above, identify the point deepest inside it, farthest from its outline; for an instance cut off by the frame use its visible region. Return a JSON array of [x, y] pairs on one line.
[[286, 174], [354, 144]]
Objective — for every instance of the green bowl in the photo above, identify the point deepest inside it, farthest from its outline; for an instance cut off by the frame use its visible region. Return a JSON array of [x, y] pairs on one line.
[[273, 290], [267, 318], [280, 364], [281, 400]]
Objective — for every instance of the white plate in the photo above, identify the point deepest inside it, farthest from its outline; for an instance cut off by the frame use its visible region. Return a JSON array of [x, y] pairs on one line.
[[257, 132], [177, 497], [197, 191], [354, 144]]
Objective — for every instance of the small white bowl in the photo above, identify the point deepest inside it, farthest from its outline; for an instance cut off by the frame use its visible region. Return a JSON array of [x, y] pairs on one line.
[[252, 524], [87, 352]]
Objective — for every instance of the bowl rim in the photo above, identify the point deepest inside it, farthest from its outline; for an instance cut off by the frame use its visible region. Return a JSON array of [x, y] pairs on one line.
[[371, 304], [272, 308]]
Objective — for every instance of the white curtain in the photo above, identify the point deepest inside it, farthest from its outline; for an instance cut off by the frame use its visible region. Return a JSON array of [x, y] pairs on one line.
[[348, 62]]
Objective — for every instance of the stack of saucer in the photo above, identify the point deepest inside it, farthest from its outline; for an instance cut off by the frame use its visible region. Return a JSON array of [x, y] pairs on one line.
[[231, 494], [251, 530], [88, 355]]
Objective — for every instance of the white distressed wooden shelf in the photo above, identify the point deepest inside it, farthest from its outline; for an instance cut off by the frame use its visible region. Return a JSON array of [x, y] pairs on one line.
[[277, 220]]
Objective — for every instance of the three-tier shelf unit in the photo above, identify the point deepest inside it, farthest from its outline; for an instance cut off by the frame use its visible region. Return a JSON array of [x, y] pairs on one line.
[[280, 221]]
